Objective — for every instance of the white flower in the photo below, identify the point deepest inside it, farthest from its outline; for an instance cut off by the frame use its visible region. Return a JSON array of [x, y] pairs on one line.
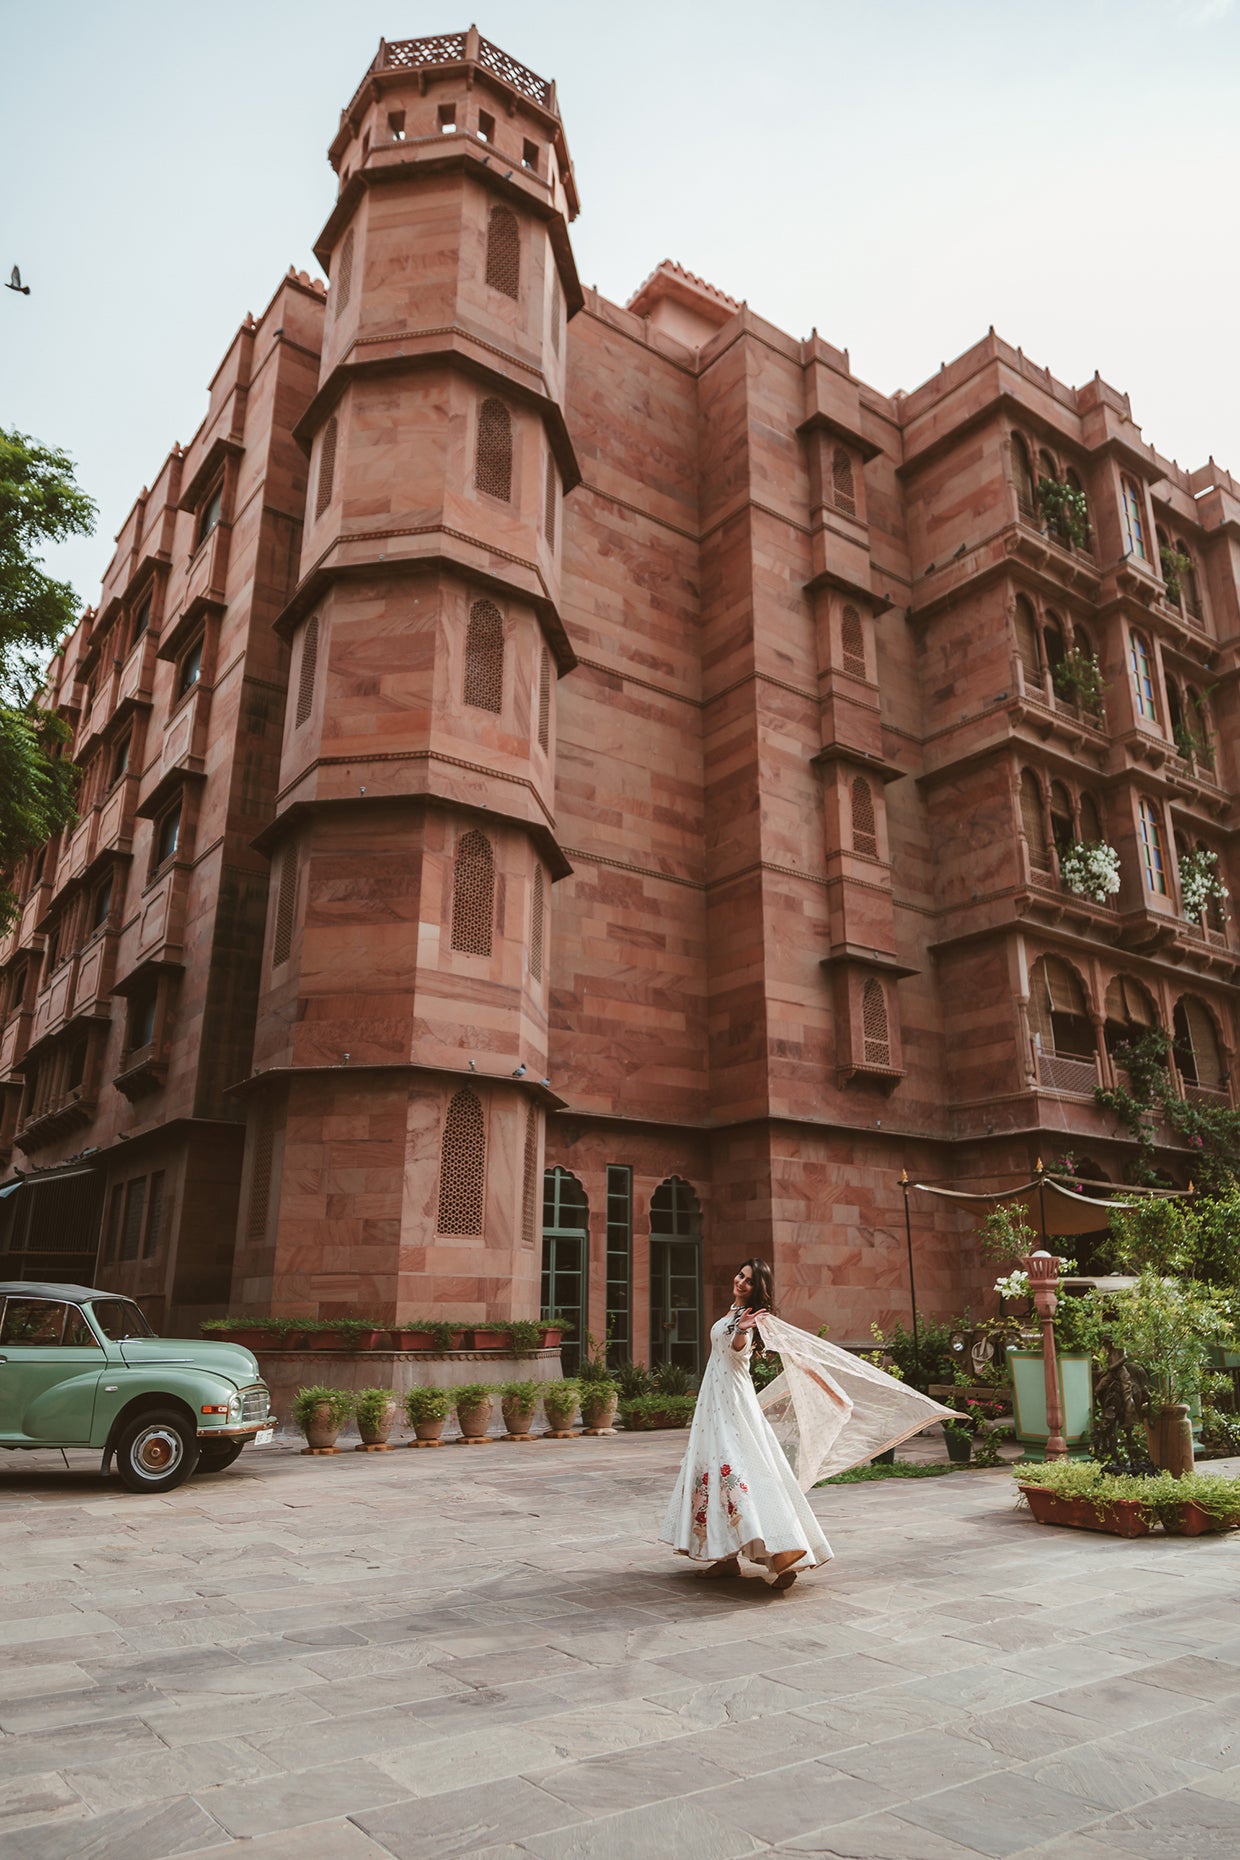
[[1199, 881], [1091, 869], [1016, 1285]]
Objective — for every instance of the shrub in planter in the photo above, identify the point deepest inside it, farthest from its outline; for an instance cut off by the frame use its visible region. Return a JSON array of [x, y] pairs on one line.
[[632, 1379], [519, 1405], [426, 1410], [488, 1337], [599, 1399], [1085, 1495], [959, 1438], [376, 1411], [321, 1412], [249, 1333], [524, 1336], [644, 1412], [560, 1403], [361, 1333], [473, 1409]]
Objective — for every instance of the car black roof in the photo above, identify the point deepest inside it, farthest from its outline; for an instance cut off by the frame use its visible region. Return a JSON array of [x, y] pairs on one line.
[[76, 1294]]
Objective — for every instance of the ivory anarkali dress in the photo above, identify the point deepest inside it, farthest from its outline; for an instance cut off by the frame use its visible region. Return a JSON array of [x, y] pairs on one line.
[[750, 1459]]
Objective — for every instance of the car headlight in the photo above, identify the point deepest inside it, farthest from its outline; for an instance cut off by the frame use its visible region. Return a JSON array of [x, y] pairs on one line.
[[234, 1408]]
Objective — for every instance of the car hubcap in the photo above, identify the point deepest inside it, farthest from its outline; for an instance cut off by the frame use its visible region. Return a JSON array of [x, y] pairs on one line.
[[157, 1451]]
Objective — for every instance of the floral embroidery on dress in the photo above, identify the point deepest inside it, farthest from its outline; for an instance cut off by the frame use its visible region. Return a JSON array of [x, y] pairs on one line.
[[701, 1492], [730, 1482]]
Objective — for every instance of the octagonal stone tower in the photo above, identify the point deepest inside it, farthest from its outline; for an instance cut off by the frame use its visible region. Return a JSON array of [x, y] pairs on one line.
[[395, 1144]]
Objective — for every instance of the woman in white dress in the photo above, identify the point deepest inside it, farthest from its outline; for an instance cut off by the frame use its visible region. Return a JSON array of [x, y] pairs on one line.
[[750, 1460]]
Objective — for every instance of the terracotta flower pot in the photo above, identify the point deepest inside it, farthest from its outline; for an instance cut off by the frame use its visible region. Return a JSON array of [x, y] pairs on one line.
[[1121, 1517], [601, 1412], [321, 1429], [482, 1337], [429, 1430], [365, 1340], [375, 1434], [412, 1340], [551, 1336], [248, 1336], [474, 1422], [1170, 1440], [1189, 1520], [518, 1420], [325, 1339]]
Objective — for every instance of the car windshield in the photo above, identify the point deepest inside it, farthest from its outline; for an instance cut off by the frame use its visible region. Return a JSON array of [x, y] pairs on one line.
[[119, 1318]]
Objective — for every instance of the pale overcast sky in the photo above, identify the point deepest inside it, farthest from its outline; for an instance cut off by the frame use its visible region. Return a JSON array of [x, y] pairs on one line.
[[899, 173]]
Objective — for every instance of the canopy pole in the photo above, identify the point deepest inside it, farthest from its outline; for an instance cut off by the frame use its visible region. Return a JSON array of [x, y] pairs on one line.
[[912, 1282]]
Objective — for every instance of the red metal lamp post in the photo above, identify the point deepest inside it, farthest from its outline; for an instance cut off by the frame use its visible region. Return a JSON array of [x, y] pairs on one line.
[[1043, 1270]]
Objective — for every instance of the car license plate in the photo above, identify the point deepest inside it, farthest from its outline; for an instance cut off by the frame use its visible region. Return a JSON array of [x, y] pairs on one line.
[[264, 1436]]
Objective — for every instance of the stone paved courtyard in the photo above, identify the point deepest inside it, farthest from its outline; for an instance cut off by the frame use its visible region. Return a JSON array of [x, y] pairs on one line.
[[484, 1651]]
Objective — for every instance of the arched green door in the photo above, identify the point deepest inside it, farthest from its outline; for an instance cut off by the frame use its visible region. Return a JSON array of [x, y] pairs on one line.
[[676, 1276], [565, 1256]]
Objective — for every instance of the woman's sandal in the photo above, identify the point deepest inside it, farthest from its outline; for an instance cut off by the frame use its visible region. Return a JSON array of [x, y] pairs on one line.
[[727, 1566], [788, 1575]]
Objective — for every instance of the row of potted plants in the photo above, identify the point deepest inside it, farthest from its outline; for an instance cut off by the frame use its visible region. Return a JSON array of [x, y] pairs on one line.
[[1083, 1494], [519, 1337], [321, 1413]]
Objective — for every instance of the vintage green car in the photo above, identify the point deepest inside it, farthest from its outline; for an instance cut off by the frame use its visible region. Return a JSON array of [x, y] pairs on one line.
[[83, 1368]]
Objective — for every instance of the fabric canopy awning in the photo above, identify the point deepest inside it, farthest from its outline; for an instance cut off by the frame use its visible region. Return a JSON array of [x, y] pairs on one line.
[[1067, 1210]]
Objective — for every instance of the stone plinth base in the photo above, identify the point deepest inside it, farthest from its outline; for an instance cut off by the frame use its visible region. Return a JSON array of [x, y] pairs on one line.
[[286, 1371]]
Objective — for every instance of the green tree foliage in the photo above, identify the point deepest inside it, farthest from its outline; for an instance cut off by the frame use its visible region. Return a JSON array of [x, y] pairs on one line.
[[40, 503]]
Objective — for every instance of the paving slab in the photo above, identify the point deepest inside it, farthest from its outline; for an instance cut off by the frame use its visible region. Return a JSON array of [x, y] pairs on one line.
[[412, 1656]]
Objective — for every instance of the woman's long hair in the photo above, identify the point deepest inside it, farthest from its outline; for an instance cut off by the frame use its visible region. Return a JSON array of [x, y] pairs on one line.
[[762, 1293]]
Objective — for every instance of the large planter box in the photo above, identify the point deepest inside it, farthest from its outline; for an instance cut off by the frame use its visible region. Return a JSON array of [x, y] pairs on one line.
[[1076, 1396], [1123, 1517]]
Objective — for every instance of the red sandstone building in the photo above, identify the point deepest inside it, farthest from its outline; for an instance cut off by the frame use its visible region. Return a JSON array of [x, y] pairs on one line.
[[575, 794]]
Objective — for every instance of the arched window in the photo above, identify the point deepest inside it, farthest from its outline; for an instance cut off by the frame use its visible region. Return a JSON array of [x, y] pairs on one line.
[[1197, 718], [529, 1179], [1129, 1012], [1055, 523], [504, 252], [462, 1167], [1091, 820], [864, 826], [1142, 676], [1033, 821], [493, 464], [286, 906], [484, 657], [473, 895], [1063, 831], [565, 1246], [1152, 859], [852, 640], [537, 913], [343, 280], [308, 670], [1074, 484], [1188, 584], [327, 467], [549, 501], [544, 701], [1082, 639], [842, 482], [1198, 1050], [1175, 718], [1025, 622], [1134, 520], [675, 1275], [875, 1032], [1054, 651], [1022, 477], [1058, 1014]]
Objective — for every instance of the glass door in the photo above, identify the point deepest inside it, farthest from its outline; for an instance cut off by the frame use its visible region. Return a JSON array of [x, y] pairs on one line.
[[566, 1243], [676, 1276]]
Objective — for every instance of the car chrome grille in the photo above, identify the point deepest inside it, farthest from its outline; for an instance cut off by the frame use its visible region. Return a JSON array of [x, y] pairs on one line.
[[254, 1404]]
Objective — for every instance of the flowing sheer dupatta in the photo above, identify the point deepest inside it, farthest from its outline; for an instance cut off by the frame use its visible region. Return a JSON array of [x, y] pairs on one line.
[[829, 1410]]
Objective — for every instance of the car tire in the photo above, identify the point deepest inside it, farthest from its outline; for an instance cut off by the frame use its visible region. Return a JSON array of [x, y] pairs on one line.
[[156, 1451], [218, 1455]]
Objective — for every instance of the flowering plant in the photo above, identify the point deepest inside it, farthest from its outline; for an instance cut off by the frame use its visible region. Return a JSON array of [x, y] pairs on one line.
[[1199, 881], [1091, 869], [1015, 1285]]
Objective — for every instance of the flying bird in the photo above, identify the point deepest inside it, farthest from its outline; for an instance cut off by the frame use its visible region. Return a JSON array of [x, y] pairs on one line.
[[15, 283], [521, 1071]]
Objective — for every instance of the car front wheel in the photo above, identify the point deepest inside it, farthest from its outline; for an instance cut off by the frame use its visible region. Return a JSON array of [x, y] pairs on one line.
[[156, 1452], [215, 1455]]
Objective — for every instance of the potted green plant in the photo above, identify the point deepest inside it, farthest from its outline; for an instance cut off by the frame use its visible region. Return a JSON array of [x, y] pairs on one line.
[[958, 1436], [525, 1335], [249, 1333], [426, 1410], [560, 1403], [473, 1410], [361, 1333], [320, 1413], [1167, 1326], [519, 1405], [376, 1411], [491, 1336], [553, 1330], [641, 1413], [1077, 679]]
